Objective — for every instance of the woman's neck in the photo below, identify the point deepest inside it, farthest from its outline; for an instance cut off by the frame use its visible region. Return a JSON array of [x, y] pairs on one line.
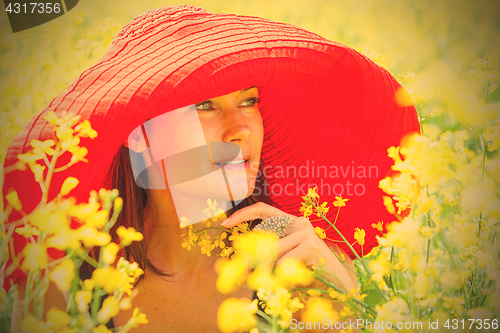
[[163, 235]]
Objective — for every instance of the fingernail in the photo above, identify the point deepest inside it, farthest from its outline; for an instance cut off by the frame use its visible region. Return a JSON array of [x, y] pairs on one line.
[[225, 222]]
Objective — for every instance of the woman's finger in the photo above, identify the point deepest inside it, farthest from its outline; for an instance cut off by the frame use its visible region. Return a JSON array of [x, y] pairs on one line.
[[298, 253], [258, 210], [305, 244], [288, 243]]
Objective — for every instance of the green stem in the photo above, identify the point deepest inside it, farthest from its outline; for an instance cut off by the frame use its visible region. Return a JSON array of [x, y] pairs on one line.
[[334, 287], [50, 172], [483, 168], [96, 302], [467, 298], [264, 315], [36, 297], [419, 115], [27, 294], [73, 311], [5, 241], [356, 254]]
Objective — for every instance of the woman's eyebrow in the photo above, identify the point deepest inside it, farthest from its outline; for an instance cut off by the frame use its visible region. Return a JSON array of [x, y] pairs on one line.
[[206, 101], [248, 88]]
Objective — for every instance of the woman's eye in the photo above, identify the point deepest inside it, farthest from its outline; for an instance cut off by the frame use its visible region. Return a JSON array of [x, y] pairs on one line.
[[204, 106], [250, 102]]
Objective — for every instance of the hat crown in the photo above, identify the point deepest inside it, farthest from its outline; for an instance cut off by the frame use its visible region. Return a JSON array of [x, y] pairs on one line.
[[154, 18]]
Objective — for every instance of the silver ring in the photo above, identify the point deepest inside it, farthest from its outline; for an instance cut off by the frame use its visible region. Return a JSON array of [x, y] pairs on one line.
[[275, 225]]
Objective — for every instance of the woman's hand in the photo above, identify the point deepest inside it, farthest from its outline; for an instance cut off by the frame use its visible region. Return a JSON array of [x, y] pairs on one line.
[[302, 243]]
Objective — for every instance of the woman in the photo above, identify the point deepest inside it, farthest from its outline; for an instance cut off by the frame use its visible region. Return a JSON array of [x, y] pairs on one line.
[[304, 111]]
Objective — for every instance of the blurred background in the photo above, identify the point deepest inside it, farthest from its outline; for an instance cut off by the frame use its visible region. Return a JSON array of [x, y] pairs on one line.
[[437, 40]]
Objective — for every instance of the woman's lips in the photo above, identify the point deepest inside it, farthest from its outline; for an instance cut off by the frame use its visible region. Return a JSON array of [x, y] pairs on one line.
[[237, 164]]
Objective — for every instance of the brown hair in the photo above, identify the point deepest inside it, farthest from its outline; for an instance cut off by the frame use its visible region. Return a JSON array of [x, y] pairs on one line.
[[121, 177]]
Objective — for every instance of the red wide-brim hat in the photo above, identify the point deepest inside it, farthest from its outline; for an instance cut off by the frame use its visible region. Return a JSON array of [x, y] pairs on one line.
[[329, 112]]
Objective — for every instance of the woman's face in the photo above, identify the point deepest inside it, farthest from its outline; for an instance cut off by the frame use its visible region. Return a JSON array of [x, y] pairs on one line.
[[235, 118], [210, 150]]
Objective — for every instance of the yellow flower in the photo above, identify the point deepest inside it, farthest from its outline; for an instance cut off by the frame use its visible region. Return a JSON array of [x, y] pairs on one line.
[[320, 232], [82, 299], [125, 303], [279, 303], [386, 185], [57, 318], [79, 154], [237, 315], [206, 246], [38, 170], [52, 118], [98, 220], [360, 297], [226, 252], [322, 209], [131, 269], [306, 210], [219, 240], [109, 253], [13, 200], [88, 284], [431, 300], [421, 284], [314, 292], [256, 247], [118, 205], [451, 279], [108, 310], [128, 235], [27, 231], [479, 313], [90, 237], [261, 277], [378, 226], [317, 309], [346, 312], [293, 272], [137, 319], [311, 192], [30, 158], [359, 235], [69, 184], [393, 311], [65, 238], [428, 204], [31, 324], [339, 201], [83, 211], [333, 293], [63, 274], [35, 257], [454, 303], [427, 231], [232, 274], [108, 278], [101, 329], [185, 222], [380, 266], [85, 130], [389, 205]]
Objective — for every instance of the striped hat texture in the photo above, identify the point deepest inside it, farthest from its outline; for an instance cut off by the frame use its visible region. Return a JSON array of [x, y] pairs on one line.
[[329, 113]]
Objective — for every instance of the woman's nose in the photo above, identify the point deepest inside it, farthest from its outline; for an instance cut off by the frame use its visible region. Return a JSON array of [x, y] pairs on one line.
[[235, 127]]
